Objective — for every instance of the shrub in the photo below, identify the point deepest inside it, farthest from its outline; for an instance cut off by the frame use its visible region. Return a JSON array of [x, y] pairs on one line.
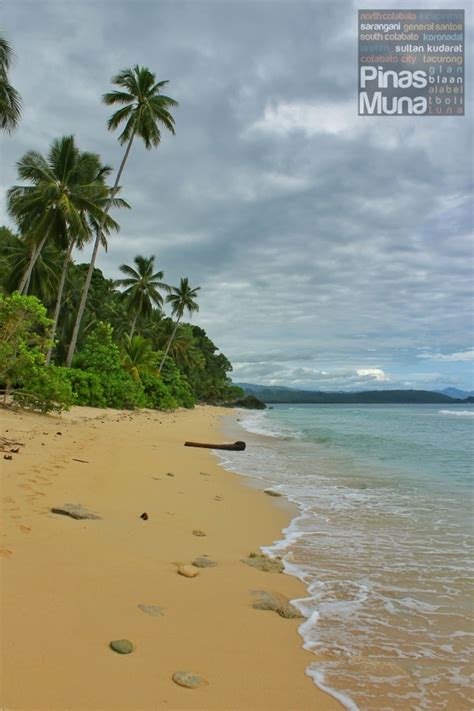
[[101, 356], [177, 383], [86, 387], [157, 394], [24, 338], [45, 388]]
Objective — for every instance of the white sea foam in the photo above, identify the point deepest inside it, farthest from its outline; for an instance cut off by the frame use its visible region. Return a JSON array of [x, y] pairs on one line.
[[459, 413], [374, 549]]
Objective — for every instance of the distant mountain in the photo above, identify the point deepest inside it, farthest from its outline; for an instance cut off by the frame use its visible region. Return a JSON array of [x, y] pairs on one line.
[[459, 394], [273, 394]]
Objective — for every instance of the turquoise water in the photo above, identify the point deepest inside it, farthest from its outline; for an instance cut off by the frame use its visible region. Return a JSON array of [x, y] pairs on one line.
[[383, 542]]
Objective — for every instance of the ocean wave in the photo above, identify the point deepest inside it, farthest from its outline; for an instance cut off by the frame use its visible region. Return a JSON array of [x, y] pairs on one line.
[[459, 413], [259, 423]]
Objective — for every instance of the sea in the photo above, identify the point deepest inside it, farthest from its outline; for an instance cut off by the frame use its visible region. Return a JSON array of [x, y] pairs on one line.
[[383, 542]]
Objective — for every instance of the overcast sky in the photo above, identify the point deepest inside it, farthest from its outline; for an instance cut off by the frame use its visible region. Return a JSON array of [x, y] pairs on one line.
[[333, 251]]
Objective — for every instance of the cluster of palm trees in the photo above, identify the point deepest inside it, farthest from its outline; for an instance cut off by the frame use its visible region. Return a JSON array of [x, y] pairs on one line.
[[142, 292], [65, 201]]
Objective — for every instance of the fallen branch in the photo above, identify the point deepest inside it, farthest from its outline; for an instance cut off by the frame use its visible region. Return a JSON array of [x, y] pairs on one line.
[[83, 461], [235, 447]]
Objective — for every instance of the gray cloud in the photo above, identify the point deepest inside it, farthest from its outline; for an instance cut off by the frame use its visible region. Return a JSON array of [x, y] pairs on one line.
[[323, 242]]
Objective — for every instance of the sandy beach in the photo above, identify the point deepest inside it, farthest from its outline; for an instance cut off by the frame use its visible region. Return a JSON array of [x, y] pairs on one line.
[[70, 586]]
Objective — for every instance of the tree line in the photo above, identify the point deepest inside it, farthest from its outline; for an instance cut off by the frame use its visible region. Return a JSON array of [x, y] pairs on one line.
[[68, 333]]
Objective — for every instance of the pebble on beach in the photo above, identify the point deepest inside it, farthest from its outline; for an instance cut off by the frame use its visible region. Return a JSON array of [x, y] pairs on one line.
[[75, 511], [187, 679], [271, 492], [188, 571], [264, 563], [198, 532], [277, 603], [152, 610], [204, 563], [121, 646]]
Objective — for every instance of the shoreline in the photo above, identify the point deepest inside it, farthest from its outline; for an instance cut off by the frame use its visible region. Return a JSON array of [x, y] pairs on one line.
[[69, 587]]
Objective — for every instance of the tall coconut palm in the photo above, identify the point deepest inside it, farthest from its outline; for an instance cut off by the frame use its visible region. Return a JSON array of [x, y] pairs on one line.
[[59, 200], [10, 101], [143, 109], [143, 286], [182, 299], [93, 172]]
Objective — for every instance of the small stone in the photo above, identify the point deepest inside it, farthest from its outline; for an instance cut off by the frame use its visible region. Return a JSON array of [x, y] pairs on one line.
[[74, 511], [122, 646], [187, 679], [270, 492], [277, 603], [264, 563], [204, 563], [144, 516], [152, 610], [170, 474], [188, 571], [198, 532], [7, 456]]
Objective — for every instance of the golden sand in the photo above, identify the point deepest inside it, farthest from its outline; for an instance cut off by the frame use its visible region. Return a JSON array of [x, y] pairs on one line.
[[69, 586]]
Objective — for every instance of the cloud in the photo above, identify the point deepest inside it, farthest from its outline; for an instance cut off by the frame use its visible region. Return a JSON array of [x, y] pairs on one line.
[[463, 356], [330, 248], [311, 118]]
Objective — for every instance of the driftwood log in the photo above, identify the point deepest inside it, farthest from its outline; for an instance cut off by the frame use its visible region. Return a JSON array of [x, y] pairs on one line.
[[234, 447]]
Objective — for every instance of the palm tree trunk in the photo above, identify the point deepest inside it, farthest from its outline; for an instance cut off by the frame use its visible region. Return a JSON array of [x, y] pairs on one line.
[[169, 344], [59, 300], [134, 323], [85, 291], [25, 280]]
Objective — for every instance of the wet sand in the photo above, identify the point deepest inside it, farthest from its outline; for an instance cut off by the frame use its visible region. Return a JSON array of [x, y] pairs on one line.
[[70, 586]]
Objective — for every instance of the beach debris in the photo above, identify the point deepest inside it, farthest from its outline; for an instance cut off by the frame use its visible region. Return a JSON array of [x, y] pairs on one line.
[[276, 603], [187, 679], [144, 516], [121, 646], [7, 456], [76, 511], [152, 610], [218, 498], [188, 571], [271, 492], [169, 474], [14, 450], [264, 563], [203, 562], [83, 461], [59, 433], [198, 532], [204, 474], [234, 447]]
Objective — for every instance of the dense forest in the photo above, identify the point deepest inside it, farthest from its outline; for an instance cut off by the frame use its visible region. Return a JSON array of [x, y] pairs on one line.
[[275, 394], [68, 333]]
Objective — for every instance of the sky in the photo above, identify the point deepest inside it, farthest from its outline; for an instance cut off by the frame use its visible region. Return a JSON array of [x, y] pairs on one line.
[[333, 251]]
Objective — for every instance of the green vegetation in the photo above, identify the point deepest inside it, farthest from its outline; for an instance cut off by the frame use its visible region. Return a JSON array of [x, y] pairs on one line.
[[68, 334], [273, 394], [10, 101]]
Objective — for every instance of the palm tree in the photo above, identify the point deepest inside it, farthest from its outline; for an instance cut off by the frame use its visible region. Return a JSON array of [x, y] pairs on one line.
[[182, 299], [142, 287], [143, 109], [138, 357], [10, 100], [44, 276], [61, 200], [93, 172]]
